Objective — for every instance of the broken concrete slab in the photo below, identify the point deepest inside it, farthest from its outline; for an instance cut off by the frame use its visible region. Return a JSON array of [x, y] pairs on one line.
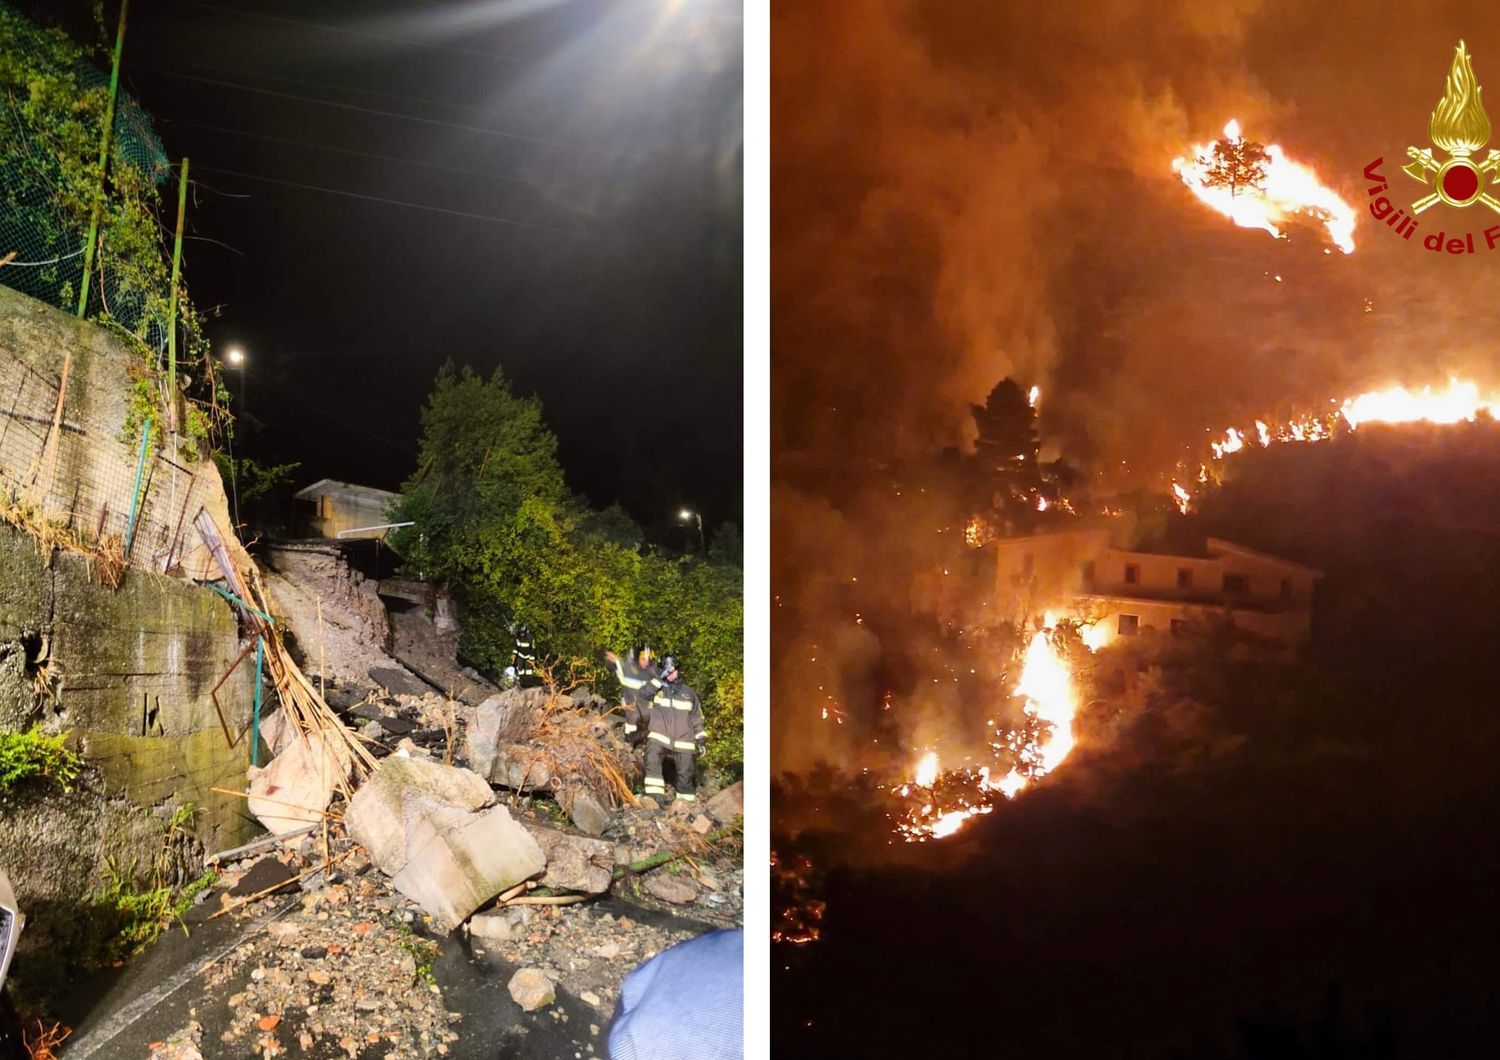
[[531, 989], [727, 804], [575, 862], [377, 813], [674, 889], [458, 861], [296, 787], [435, 831], [399, 682]]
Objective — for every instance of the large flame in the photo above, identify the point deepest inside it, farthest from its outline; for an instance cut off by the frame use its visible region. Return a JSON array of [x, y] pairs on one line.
[[1290, 190], [939, 802], [1461, 401]]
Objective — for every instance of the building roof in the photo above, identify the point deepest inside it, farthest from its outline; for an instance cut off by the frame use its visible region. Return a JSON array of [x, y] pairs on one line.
[[325, 487]]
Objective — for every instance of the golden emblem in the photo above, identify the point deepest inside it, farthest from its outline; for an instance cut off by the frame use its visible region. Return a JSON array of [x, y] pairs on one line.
[[1460, 127]]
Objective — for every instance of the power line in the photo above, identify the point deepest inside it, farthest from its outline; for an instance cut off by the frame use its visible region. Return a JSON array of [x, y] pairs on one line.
[[381, 199], [355, 32], [371, 110], [330, 86], [346, 151]]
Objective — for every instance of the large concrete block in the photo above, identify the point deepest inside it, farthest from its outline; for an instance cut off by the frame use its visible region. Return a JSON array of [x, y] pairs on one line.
[[459, 861], [435, 830]]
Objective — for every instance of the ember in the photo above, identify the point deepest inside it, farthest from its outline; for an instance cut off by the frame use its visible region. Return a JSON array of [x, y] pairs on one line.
[[798, 914]]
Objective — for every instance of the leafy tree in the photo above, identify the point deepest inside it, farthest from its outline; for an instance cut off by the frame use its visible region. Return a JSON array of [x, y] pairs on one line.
[[1237, 164], [1005, 476], [495, 521]]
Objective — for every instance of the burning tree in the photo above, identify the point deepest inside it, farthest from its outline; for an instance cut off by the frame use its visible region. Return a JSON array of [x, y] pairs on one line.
[[1236, 163], [1006, 475]]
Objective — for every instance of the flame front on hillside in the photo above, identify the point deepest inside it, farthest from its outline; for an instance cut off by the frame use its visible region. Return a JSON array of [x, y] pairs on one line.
[[1288, 190], [1461, 401]]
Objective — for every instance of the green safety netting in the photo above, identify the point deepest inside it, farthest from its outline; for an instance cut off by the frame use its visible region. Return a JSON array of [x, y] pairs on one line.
[[44, 218]]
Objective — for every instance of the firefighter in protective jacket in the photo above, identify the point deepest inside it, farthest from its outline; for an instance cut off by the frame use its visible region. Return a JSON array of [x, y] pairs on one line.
[[675, 728], [639, 680]]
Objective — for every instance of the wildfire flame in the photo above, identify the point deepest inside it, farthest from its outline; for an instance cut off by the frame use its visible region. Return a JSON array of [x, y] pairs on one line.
[[941, 802], [1290, 190], [1461, 401]]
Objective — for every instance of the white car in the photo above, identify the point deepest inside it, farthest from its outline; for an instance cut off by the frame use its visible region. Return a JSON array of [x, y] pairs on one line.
[[11, 921]]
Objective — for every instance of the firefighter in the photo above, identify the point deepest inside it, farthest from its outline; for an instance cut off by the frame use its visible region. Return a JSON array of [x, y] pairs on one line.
[[525, 659], [639, 680], [675, 726]]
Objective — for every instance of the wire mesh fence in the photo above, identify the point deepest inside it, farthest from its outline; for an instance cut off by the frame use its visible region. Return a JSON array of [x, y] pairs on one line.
[[43, 204], [80, 476]]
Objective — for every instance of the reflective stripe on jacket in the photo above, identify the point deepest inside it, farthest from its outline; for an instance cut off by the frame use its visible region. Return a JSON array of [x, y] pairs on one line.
[[677, 717]]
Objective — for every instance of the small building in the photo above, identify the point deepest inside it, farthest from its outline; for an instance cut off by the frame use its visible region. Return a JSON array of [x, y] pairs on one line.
[[336, 508], [1127, 591]]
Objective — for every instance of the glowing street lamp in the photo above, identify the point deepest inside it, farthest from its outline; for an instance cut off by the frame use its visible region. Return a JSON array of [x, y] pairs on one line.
[[687, 516], [235, 356]]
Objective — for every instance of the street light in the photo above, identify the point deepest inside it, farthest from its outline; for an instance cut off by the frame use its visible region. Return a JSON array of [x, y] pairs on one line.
[[235, 356], [687, 516]]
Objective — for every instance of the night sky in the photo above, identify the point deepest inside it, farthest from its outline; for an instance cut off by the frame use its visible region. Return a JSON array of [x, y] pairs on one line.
[[580, 168]]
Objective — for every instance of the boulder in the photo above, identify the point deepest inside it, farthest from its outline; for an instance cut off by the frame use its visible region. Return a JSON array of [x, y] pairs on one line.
[[575, 862], [669, 888], [531, 989], [294, 789], [435, 831], [519, 767], [493, 927], [727, 804], [588, 813], [501, 719]]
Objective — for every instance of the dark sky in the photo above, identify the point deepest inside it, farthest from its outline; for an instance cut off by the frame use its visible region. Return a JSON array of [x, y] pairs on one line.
[[588, 156]]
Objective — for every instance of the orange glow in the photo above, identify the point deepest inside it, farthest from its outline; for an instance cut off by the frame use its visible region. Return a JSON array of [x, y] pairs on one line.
[[1291, 190]]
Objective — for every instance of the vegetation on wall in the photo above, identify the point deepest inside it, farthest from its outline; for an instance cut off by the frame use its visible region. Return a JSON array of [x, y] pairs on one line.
[[53, 102]]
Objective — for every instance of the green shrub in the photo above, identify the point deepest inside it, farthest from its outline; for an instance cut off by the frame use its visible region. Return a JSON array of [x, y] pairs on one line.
[[36, 755]]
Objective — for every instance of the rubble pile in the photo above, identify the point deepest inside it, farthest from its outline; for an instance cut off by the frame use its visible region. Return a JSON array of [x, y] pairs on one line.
[[352, 637], [341, 971], [509, 821]]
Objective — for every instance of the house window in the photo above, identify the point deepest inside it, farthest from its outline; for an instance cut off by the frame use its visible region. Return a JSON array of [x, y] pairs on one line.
[[1236, 584], [1179, 626], [1132, 575], [1130, 625], [1184, 578]]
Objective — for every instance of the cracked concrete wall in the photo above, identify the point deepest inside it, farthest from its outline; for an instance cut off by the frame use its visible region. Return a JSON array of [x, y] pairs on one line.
[[131, 671]]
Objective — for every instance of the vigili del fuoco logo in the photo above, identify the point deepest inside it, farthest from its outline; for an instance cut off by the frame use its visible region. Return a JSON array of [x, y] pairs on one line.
[[1459, 128]]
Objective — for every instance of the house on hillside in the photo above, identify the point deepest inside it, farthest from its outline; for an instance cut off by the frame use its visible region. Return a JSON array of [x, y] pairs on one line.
[[1128, 591], [335, 509]]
